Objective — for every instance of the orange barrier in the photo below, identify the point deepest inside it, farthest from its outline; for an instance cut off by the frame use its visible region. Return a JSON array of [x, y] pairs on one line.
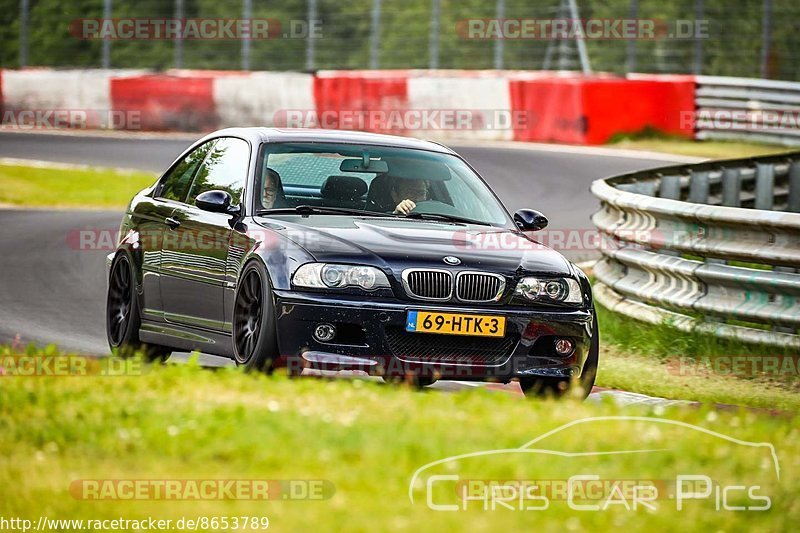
[[592, 110], [172, 103], [342, 98]]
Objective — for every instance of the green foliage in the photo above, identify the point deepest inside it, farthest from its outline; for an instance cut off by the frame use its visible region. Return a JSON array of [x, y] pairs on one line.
[[367, 439], [732, 47]]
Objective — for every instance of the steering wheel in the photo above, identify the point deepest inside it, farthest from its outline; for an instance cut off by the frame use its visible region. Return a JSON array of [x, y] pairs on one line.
[[435, 207]]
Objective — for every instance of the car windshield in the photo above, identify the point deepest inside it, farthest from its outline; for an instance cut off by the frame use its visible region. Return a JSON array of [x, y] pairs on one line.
[[352, 179]]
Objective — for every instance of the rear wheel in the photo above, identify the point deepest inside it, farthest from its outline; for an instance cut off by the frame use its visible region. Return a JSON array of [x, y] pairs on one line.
[[557, 386], [123, 318], [255, 341]]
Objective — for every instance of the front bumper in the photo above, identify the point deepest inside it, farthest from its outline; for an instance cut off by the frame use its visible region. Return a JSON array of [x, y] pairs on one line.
[[374, 339]]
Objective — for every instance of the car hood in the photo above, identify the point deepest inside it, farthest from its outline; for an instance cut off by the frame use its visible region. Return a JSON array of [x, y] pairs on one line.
[[396, 243]]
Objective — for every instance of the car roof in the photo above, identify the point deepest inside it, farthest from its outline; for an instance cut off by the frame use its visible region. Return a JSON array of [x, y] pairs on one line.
[[259, 135]]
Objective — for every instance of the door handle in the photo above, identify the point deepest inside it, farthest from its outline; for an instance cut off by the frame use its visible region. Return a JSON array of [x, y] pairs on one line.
[[172, 222]]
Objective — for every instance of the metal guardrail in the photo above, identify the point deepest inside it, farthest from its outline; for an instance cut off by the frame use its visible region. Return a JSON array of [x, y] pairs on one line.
[[711, 247], [747, 109]]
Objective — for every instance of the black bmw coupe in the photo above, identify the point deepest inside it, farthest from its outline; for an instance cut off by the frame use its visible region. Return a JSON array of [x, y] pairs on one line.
[[340, 250]]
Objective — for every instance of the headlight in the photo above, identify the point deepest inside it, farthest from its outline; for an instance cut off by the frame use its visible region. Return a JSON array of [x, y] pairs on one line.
[[559, 290], [325, 276]]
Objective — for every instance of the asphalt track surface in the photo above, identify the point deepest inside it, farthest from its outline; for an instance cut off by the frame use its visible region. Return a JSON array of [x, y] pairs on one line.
[[53, 293]]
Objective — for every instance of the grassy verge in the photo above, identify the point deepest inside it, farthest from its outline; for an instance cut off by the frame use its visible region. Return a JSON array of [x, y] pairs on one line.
[[58, 187], [655, 142], [366, 440], [661, 361]]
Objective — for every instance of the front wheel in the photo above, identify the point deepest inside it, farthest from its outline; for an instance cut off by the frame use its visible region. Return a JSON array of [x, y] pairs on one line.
[[558, 387], [123, 318], [255, 340]]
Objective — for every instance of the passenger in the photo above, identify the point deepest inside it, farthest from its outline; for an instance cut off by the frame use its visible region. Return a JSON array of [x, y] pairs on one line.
[[273, 189]]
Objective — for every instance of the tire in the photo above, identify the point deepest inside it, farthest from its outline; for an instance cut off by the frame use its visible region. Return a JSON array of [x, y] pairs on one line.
[[123, 318], [254, 335], [538, 387]]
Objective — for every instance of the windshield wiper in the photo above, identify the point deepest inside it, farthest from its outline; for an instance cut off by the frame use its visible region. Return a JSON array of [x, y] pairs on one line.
[[449, 218], [323, 210]]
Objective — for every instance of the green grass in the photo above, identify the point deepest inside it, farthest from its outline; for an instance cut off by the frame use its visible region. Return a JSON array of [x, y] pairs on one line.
[[657, 142], [367, 440], [662, 361], [73, 188]]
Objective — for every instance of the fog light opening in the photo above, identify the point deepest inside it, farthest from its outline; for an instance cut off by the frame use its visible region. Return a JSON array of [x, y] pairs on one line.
[[564, 346], [324, 332]]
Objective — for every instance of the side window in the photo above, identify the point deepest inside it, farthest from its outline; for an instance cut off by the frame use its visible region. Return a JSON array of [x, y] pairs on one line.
[[224, 169], [175, 185]]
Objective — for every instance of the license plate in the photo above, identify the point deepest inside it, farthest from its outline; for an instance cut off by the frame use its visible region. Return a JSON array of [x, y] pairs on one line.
[[455, 324]]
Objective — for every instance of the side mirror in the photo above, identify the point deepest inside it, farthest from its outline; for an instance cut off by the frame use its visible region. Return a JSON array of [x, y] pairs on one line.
[[216, 202], [530, 220]]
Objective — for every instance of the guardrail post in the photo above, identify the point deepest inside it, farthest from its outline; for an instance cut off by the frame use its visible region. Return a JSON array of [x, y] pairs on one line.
[[793, 205], [731, 187], [698, 187], [765, 185], [765, 199], [670, 187], [794, 187]]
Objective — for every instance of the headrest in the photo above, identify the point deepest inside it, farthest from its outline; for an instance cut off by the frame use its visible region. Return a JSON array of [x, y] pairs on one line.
[[346, 188]]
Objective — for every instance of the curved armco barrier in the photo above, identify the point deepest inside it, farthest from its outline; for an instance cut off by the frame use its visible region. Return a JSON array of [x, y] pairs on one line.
[[748, 109], [713, 247]]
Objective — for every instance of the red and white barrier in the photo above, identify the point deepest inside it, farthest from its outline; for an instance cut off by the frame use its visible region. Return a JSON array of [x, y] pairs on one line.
[[41, 91], [471, 105], [257, 99], [479, 107]]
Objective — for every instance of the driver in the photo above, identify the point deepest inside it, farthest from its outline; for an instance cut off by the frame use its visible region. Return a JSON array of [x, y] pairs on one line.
[[406, 193]]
